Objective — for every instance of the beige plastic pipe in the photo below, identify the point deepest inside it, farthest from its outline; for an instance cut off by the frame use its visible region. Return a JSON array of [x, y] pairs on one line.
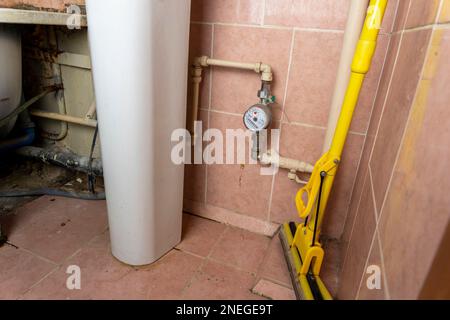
[[196, 80], [203, 62], [293, 165], [63, 117], [258, 67], [355, 20], [90, 114]]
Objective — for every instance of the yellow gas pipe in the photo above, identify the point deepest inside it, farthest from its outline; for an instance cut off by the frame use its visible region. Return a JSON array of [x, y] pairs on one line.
[[319, 186]]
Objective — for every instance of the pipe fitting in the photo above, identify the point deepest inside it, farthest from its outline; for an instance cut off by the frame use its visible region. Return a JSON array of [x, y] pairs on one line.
[[197, 74], [266, 72], [272, 158], [201, 61]]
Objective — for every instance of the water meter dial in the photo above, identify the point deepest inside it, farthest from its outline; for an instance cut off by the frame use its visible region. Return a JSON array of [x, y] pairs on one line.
[[258, 118]]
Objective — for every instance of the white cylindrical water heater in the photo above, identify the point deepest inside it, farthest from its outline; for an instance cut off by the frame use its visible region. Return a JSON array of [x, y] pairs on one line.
[[10, 74], [139, 51]]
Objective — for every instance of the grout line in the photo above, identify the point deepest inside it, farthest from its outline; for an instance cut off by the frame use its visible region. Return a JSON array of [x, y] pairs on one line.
[[291, 56], [442, 26], [204, 262], [209, 107], [367, 262], [439, 12], [264, 260], [353, 225], [307, 125], [277, 282], [356, 133], [376, 234], [318, 30], [38, 256], [188, 252], [263, 19], [410, 30], [374, 199], [226, 113], [387, 294], [54, 270], [266, 26]]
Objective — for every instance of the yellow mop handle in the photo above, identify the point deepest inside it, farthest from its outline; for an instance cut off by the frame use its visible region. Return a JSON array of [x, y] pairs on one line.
[[328, 164], [362, 61]]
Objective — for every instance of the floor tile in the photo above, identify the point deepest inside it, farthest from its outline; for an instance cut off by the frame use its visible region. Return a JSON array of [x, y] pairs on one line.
[[273, 290], [98, 270], [241, 249], [199, 235], [218, 282], [19, 270], [274, 266], [55, 228]]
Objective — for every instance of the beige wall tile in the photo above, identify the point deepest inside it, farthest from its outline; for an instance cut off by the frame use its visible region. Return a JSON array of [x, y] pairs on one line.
[[416, 211], [422, 13], [359, 246], [445, 12], [339, 202], [398, 105], [229, 11], [239, 188], [320, 14], [313, 75], [374, 260], [236, 90]]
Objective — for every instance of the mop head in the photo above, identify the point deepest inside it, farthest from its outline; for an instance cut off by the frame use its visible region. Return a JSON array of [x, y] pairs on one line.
[[306, 286]]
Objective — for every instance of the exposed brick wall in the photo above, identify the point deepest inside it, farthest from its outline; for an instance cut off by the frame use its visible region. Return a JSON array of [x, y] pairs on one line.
[[50, 5]]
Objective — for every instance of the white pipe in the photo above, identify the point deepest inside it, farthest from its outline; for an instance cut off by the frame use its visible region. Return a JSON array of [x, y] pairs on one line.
[[355, 21], [271, 158]]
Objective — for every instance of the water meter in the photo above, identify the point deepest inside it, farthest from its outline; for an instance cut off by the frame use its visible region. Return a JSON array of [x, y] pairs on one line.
[[258, 117]]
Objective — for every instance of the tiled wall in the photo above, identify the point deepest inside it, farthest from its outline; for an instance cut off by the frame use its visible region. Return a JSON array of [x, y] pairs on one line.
[[302, 40], [399, 207]]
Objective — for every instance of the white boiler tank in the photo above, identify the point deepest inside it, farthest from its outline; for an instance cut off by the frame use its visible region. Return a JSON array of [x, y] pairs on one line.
[[10, 74], [139, 51]]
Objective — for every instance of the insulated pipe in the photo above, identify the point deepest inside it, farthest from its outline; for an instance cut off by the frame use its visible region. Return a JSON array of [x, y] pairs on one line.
[[355, 20], [25, 139], [63, 158]]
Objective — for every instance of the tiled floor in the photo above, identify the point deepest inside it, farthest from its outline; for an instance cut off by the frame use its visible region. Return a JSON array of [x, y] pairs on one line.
[[213, 261]]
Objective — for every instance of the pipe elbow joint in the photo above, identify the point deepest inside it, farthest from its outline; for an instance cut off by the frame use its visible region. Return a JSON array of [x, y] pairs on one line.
[[266, 72], [201, 62]]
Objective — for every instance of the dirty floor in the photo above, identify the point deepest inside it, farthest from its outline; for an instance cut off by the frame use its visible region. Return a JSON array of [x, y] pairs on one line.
[[213, 261]]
